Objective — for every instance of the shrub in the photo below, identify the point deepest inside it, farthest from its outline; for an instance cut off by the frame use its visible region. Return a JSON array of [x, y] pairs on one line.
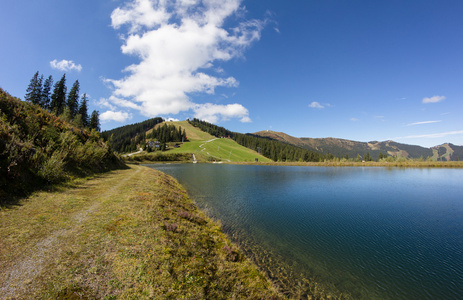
[[52, 169], [37, 147]]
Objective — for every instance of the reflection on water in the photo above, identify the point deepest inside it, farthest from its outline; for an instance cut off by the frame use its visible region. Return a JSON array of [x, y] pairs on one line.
[[371, 232]]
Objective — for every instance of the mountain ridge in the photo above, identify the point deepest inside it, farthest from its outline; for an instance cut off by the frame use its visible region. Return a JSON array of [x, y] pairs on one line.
[[344, 147]]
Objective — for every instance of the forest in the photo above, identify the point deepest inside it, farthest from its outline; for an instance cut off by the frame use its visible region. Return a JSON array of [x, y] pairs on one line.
[[128, 138]]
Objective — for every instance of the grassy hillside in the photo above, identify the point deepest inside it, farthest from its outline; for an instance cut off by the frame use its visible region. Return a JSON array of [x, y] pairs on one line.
[[38, 148], [193, 133], [206, 147], [128, 234]]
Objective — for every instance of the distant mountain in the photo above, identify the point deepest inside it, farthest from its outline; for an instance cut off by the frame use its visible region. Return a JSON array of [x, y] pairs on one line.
[[343, 148], [448, 151]]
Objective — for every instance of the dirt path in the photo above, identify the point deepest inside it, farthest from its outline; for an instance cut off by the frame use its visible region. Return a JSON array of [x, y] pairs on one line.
[[128, 234], [133, 153], [19, 276], [202, 148]]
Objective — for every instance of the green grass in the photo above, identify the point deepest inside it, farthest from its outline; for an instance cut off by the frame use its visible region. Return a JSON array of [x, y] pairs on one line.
[[193, 133], [222, 149], [206, 147], [127, 234]]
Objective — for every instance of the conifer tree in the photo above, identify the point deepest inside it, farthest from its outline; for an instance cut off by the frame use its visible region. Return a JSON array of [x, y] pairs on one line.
[[73, 99], [83, 111], [95, 121], [34, 90], [45, 98], [58, 98]]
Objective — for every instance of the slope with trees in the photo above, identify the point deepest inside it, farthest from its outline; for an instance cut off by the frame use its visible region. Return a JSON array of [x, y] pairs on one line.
[[275, 150], [66, 106], [38, 148], [373, 150], [127, 138]]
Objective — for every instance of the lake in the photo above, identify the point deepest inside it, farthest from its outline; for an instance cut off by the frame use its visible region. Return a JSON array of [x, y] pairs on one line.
[[374, 233]]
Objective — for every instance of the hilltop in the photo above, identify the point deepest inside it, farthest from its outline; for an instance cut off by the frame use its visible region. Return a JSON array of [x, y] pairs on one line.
[[342, 147], [178, 141], [38, 148]]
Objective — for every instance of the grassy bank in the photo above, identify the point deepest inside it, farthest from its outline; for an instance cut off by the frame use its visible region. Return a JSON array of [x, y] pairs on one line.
[[127, 234], [38, 149], [402, 164]]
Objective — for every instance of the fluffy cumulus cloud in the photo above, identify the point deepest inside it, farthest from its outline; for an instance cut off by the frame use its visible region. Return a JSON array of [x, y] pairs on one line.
[[118, 116], [65, 65], [177, 43], [434, 99], [212, 112]]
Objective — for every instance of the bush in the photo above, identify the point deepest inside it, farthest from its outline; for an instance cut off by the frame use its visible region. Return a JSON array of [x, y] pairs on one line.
[[37, 147], [52, 169]]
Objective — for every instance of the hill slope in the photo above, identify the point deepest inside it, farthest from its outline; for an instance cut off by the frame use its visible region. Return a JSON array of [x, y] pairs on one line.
[[37, 148], [204, 146], [343, 148]]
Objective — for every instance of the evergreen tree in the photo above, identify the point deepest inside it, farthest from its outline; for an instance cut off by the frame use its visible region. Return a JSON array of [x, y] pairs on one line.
[[367, 157], [34, 90], [73, 99], [45, 98], [83, 111], [58, 98], [95, 121]]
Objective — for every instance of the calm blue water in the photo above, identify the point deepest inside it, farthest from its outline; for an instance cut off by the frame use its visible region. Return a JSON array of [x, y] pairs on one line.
[[377, 233]]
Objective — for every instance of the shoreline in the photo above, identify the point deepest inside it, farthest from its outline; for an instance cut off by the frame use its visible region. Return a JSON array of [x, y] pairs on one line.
[[404, 164], [131, 233]]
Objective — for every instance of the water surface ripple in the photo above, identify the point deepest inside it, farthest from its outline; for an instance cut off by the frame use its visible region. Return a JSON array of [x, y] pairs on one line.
[[376, 233]]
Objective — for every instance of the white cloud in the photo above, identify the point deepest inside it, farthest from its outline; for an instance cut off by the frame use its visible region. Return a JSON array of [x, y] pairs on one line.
[[118, 116], [431, 135], [434, 99], [177, 42], [171, 120], [316, 104], [140, 13], [214, 113], [65, 65], [354, 119], [424, 122], [105, 103]]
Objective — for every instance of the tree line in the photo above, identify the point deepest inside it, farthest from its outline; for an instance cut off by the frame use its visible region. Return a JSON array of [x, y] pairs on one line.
[[68, 106], [128, 138], [275, 150], [167, 133]]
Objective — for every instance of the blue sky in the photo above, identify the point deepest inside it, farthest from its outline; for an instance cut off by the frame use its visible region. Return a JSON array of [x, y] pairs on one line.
[[360, 70]]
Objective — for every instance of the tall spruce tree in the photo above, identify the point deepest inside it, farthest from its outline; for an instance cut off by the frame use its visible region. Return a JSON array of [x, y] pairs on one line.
[[83, 111], [58, 98], [34, 90], [45, 98], [95, 121], [73, 100]]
